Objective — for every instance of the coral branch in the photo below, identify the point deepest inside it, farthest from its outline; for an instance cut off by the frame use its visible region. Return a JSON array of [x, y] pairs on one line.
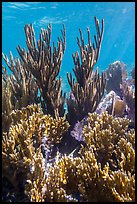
[[88, 88], [45, 65], [19, 89]]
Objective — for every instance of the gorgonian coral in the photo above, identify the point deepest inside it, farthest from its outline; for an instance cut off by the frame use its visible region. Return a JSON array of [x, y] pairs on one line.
[[44, 63], [18, 90], [88, 88]]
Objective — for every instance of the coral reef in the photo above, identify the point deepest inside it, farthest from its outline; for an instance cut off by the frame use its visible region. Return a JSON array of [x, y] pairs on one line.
[[89, 87], [84, 155]]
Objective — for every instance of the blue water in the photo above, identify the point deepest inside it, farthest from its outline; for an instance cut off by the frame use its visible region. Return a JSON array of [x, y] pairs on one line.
[[119, 35]]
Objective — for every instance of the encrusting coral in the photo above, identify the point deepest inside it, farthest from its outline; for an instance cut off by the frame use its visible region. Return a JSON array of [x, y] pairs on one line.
[[38, 164]]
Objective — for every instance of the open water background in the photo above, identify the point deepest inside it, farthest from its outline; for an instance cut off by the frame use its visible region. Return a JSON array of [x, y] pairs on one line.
[[119, 35]]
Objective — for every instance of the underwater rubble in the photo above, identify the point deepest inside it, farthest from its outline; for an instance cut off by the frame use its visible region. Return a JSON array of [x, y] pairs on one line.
[[86, 154]]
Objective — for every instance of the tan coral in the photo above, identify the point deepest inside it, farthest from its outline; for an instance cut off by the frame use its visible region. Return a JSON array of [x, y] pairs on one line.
[[89, 86], [102, 132], [125, 154], [44, 63], [22, 84], [36, 178], [90, 175], [86, 177], [122, 186], [25, 136]]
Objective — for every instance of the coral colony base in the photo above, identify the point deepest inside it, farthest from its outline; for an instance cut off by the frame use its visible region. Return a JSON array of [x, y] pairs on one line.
[[86, 154]]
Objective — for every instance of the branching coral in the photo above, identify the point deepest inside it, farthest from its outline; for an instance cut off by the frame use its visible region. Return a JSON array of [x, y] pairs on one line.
[[83, 179], [125, 154], [18, 89], [25, 137], [103, 133], [122, 186], [36, 164], [7, 105], [23, 86], [74, 175], [103, 171], [44, 63], [22, 115], [88, 90], [36, 178]]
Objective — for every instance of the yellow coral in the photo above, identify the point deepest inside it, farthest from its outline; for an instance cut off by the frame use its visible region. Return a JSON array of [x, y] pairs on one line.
[[102, 133], [89, 175], [20, 144], [36, 178], [122, 186], [85, 178], [125, 154]]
